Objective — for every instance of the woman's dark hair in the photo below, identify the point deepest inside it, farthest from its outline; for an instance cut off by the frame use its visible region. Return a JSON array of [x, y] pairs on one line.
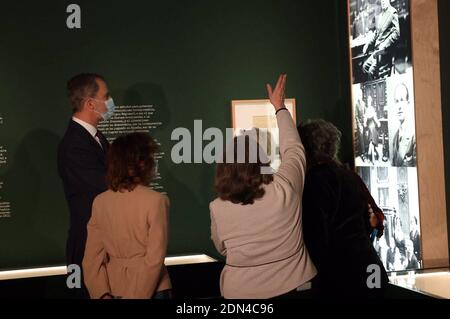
[[321, 140], [241, 183], [130, 161]]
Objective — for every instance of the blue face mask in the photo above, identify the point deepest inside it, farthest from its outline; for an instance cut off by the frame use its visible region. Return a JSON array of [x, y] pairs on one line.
[[110, 108]]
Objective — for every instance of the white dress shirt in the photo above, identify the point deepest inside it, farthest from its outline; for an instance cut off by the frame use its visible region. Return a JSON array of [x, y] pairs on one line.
[[90, 128]]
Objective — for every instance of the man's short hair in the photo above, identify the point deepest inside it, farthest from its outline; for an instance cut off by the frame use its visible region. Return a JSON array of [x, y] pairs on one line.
[[80, 87], [406, 88]]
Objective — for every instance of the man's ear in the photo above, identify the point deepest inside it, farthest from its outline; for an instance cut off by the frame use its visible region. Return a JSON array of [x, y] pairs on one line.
[[88, 104]]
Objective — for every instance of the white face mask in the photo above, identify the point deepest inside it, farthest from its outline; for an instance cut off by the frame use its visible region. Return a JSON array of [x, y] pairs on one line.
[[110, 108]]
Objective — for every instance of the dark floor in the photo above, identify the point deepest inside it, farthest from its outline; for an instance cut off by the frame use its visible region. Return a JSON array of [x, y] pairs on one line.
[[197, 281], [188, 281]]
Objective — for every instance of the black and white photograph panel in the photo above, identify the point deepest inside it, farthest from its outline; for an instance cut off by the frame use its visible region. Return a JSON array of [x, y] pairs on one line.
[[402, 130], [395, 190], [380, 38], [371, 124]]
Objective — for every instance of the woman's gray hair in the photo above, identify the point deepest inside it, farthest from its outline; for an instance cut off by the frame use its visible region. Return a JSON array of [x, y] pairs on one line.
[[321, 140]]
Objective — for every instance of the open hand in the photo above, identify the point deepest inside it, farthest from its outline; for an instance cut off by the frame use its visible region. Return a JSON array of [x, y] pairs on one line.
[[276, 96]]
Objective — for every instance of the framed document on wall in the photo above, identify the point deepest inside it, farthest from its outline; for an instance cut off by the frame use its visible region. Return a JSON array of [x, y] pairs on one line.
[[260, 114]]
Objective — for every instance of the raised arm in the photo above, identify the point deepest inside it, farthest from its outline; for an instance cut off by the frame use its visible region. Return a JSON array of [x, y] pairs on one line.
[[293, 159]]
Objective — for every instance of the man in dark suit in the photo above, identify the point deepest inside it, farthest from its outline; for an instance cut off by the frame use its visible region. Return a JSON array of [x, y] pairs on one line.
[[387, 34], [81, 157], [404, 152]]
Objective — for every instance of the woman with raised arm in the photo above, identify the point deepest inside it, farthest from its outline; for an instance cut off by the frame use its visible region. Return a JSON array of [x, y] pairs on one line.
[[256, 221]]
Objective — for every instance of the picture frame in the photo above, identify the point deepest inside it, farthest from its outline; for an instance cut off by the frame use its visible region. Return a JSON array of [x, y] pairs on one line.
[[241, 110], [260, 114]]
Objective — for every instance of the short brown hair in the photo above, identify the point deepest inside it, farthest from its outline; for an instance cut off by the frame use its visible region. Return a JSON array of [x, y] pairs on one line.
[[81, 86], [131, 161], [241, 183]]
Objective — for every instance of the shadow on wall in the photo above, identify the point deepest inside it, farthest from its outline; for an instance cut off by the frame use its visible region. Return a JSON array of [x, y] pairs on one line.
[[146, 94], [35, 234]]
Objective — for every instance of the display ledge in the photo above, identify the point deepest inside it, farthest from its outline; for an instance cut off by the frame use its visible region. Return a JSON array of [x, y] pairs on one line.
[[62, 270], [433, 283]]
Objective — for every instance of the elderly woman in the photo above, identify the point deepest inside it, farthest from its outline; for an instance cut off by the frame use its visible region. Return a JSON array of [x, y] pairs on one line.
[[256, 221], [336, 219], [128, 230]]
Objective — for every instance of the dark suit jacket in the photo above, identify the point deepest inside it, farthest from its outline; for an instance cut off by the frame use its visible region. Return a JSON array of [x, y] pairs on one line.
[[388, 29], [410, 157], [82, 168], [336, 229]]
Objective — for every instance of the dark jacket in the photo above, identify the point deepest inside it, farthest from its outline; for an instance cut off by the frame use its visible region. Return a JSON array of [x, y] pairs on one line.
[[82, 168], [388, 29], [336, 227]]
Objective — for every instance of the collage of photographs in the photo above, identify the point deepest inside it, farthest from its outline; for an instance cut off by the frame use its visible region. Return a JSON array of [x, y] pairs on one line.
[[384, 124]]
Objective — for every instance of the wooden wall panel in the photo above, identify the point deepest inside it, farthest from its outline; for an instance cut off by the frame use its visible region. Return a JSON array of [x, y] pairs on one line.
[[430, 157]]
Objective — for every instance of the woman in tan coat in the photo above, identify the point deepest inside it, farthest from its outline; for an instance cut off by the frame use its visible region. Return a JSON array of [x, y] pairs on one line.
[[128, 229], [256, 222]]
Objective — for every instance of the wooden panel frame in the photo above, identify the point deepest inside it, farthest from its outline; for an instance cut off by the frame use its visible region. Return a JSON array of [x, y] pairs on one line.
[[429, 137]]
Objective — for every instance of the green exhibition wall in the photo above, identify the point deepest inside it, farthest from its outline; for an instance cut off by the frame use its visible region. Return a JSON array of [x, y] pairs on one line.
[[188, 58]]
